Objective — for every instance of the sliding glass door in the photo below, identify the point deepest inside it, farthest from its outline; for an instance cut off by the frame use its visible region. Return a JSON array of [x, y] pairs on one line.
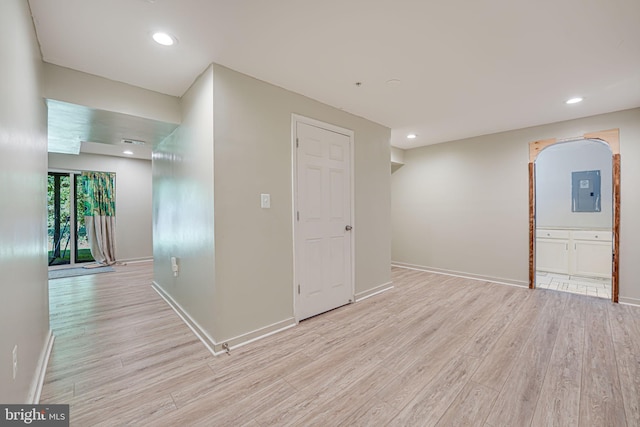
[[67, 237]]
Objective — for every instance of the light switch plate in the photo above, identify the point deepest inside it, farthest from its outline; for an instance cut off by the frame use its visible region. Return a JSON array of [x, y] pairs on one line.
[[265, 201]]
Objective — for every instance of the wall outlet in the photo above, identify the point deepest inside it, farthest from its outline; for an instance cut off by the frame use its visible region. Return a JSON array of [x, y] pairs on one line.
[[265, 201], [15, 361], [175, 267]]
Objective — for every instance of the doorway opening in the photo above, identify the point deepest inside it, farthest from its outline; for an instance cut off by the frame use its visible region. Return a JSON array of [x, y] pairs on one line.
[[67, 241], [574, 214], [574, 218]]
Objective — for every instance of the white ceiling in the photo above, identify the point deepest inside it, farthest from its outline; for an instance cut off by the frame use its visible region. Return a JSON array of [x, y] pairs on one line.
[[466, 68]]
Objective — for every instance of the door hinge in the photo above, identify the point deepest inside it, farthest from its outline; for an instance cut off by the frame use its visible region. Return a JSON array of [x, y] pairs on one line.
[[298, 215], [297, 143], [298, 289]]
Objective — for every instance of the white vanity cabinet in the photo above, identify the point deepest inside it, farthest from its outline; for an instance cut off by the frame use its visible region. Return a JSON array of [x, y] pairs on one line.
[[552, 251], [592, 253], [574, 252]]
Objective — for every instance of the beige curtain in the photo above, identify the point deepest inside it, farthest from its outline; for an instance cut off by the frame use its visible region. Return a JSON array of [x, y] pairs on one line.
[[102, 240], [100, 215]]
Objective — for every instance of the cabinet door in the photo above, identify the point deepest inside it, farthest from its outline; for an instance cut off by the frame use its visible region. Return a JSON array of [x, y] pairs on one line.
[[552, 255], [592, 258]]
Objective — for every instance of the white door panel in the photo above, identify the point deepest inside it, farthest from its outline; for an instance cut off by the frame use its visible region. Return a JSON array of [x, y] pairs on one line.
[[323, 254]]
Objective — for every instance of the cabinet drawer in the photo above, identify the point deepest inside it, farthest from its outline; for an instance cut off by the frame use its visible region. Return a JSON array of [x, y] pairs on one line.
[[604, 235], [552, 234]]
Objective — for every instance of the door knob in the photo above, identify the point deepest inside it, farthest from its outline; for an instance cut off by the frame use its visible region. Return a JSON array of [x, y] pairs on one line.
[[348, 228]]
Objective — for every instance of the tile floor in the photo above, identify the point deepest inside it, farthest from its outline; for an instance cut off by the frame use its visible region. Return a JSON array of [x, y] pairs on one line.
[[593, 286]]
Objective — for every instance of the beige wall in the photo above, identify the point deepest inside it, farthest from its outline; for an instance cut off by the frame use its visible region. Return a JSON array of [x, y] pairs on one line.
[[76, 87], [24, 306], [462, 206], [133, 198], [397, 155], [183, 220], [250, 290], [254, 257]]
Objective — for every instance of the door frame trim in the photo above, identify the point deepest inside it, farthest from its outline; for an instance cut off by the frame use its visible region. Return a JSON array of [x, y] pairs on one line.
[[295, 119], [610, 137]]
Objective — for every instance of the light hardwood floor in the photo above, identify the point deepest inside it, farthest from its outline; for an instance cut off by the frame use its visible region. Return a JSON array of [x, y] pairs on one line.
[[434, 351]]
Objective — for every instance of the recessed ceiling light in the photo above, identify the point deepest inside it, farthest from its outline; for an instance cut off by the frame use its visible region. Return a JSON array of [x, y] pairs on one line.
[[412, 136], [128, 152], [574, 100], [164, 39]]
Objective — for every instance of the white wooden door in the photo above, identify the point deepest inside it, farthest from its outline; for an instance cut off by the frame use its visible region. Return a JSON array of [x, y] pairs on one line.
[[323, 236]]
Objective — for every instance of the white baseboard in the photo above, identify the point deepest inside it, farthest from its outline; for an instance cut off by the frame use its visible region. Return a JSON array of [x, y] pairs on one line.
[[198, 330], [134, 260], [216, 348], [629, 301], [498, 280], [38, 381], [374, 291], [263, 332]]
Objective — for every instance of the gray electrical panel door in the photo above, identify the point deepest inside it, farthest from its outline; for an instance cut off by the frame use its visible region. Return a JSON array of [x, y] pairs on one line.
[[585, 191]]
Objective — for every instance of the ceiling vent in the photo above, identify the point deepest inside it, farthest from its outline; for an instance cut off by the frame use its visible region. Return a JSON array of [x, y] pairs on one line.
[[132, 141]]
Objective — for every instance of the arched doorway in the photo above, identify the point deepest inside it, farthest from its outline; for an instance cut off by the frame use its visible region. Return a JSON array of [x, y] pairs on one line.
[[611, 138]]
